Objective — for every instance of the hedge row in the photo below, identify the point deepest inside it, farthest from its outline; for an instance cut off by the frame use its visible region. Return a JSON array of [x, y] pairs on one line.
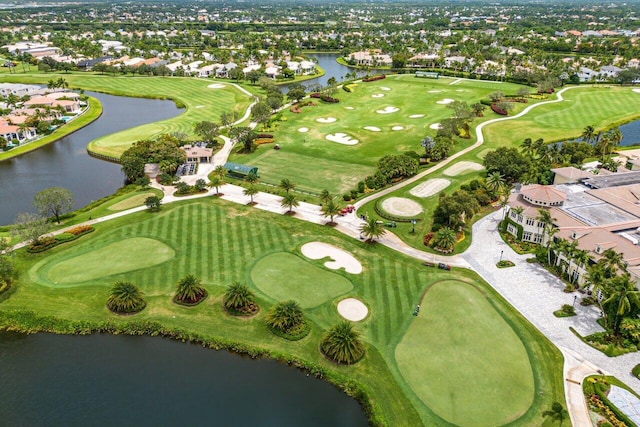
[[498, 110], [51, 242], [261, 141], [374, 78]]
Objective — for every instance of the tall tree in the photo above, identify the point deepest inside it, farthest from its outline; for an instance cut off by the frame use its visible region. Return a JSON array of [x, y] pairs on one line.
[[207, 130], [53, 201], [290, 201], [216, 182], [250, 191], [331, 209], [286, 185], [623, 298], [495, 183], [30, 227]]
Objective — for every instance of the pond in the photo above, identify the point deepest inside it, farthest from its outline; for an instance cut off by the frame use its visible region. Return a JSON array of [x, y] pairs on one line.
[[150, 381]]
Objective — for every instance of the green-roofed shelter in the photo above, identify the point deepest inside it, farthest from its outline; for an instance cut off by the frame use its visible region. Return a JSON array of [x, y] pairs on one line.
[[238, 169]]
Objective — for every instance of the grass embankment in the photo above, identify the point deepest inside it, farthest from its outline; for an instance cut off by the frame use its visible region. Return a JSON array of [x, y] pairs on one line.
[[94, 111], [200, 103], [314, 163], [220, 242]]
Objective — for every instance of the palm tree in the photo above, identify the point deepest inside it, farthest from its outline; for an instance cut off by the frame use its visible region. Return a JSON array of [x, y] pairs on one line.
[[250, 191], [342, 344], [239, 298], [371, 229], [557, 412], [285, 316], [623, 298], [252, 178], [325, 196], [581, 259], [216, 182], [286, 185], [495, 182], [330, 209], [290, 201], [220, 170], [588, 134], [190, 290], [527, 147], [612, 261], [125, 298], [544, 217], [444, 239]]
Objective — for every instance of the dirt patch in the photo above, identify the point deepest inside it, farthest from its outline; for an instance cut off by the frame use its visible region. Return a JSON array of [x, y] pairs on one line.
[[430, 187], [401, 206]]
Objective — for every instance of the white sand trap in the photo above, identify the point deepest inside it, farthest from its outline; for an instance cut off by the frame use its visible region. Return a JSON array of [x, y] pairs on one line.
[[384, 88], [348, 108], [445, 101], [435, 126], [459, 90], [463, 167], [636, 90], [326, 120], [388, 110], [339, 257], [303, 130], [435, 91], [199, 106], [377, 95], [352, 309], [341, 138], [401, 206], [216, 86], [430, 187], [372, 128], [416, 116], [397, 128]]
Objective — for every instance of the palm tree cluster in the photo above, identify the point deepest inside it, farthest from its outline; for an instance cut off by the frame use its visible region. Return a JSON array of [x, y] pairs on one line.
[[238, 299], [217, 179], [342, 344], [125, 298], [286, 317], [190, 291]]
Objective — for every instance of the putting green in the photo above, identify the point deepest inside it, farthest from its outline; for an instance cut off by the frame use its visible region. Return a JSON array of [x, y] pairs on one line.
[[464, 361], [120, 257], [284, 276], [131, 202]]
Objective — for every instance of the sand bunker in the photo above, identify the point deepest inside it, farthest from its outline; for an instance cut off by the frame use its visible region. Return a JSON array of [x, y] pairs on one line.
[[352, 309], [326, 120], [348, 108], [435, 126], [384, 88], [435, 91], [430, 187], [377, 95], [459, 90], [636, 90], [416, 116], [341, 138], [216, 86], [303, 130], [388, 110], [339, 258], [445, 101], [463, 167], [397, 128], [401, 206], [372, 128], [200, 106]]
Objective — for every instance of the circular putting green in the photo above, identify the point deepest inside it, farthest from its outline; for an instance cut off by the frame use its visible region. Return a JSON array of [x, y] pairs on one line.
[[115, 258], [463, 360], [284, 276]]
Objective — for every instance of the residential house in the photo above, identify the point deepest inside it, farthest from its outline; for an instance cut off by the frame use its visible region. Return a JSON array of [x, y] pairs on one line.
[[13, 133]]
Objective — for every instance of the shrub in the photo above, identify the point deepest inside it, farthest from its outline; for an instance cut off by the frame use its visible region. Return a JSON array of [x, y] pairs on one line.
[[427, 238], [125, 298], [346, 197], [587, 301], [328, 99], [64, 237], [260, 141], [80, 229], [342, 344], [499, 110], [374, 78], [361, 187], [264, 135], [316, 95]]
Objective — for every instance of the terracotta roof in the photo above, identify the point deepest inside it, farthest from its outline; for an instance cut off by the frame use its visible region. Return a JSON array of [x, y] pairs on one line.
[[590, 239], [571, 172], [543, 193]]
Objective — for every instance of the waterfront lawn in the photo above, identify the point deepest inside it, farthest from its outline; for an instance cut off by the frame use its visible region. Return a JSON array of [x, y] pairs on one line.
[[95, 110], [200, 103], [313, 162], [220, 242], [600, 107]]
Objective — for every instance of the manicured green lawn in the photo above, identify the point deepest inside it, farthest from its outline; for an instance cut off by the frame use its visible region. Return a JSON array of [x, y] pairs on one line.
[[131, 202], [466, 384], [200, 101], [315, 163], [282, 276], [220, 243]]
